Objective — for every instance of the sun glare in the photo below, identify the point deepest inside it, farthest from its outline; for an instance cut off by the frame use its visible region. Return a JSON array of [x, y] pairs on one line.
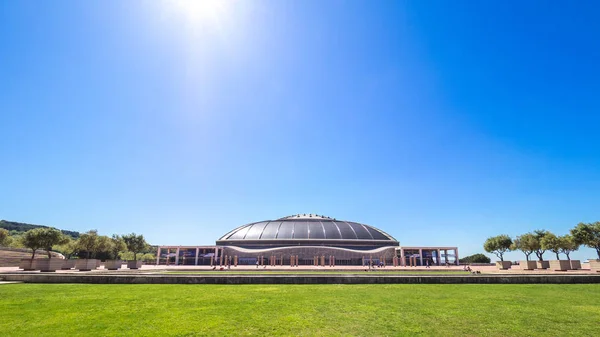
[[202, 13]]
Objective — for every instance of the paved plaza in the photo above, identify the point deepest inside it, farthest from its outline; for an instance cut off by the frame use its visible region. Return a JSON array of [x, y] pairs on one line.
[[152, 269]]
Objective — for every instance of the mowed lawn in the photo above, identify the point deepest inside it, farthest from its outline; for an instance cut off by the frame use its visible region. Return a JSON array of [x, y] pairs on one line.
[[299, 310]]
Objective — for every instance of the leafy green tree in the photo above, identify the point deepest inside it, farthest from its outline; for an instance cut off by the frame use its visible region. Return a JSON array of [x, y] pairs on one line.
[[135, 243], [15, 240], [104, 246], [527, 243], [475, 258], [88, 242], [51, 237], [552, 243], [539, 249], [129, 256], [588, 235], [4, 237], [498, 245], [68, 248], [43, 238], [117, 246], [568, 244], [149, 257]]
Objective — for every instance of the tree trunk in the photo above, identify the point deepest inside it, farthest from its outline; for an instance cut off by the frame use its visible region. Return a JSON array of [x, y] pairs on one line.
[[557, 257], [598, 252], [33, 255], [568, 258], [49, 255]]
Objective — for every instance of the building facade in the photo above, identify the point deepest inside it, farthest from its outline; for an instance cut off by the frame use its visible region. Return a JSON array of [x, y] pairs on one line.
[[306, 239]]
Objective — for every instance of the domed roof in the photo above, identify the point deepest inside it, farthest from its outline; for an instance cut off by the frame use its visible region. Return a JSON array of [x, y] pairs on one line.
[[307, 227]]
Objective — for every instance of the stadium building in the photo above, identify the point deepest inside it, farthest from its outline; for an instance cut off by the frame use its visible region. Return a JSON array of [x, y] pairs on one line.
[[306, 239]]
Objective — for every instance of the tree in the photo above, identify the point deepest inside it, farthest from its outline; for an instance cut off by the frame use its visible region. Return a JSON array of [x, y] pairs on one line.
[[42, 238], [68, 248], [51, 237], [498, 245], [527, 243], [4, 237], [104, 246], [588, 235], [539, 236], [149, 257], [552, 243], [88, 242], [135, 243], [568, 244], [475, 258], [117, 246]]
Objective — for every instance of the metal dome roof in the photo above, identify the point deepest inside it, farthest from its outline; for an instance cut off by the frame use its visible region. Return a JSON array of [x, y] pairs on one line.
[[307, 227]]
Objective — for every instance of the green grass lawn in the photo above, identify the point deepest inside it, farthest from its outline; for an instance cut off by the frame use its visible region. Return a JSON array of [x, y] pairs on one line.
[[317, 272], [305, 310]]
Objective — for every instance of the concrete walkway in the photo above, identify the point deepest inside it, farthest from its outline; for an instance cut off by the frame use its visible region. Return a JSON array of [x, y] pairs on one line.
[[153, 269]]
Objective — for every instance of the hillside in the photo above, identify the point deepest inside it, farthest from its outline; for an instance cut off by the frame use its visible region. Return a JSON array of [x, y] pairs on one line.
[[11, 257], [20, 227]]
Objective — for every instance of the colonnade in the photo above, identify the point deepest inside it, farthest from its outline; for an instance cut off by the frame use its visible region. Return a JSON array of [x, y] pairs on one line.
[[405, 256], [412, 257]]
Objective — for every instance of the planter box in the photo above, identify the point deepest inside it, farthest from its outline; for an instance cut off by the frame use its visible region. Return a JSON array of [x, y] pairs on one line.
[[134, 264], [543, 264], [595, 265], [68, 264], [575, 265], [503, 265], [86, 264], [26, 264], [113, 264], [47, 265], [560, 265], [528, 265]]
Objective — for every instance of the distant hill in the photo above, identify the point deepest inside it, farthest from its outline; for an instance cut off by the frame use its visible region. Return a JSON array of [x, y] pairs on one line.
[[24, 227]]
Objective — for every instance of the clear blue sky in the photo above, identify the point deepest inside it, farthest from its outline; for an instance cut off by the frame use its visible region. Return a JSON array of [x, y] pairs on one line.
[[441, 123]]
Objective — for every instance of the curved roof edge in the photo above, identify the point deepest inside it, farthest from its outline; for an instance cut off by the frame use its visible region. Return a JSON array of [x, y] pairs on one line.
[[250, 250], [309, 218]]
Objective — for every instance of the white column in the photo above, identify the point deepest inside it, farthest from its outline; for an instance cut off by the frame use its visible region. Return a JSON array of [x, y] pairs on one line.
[[177, 257], [421, 255], [157, 255], [402, 258], [197, 252], [456, 256]]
